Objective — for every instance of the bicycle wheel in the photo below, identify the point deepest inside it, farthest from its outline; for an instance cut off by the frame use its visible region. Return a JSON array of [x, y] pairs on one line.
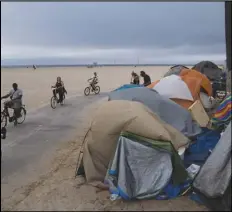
[[97, 90], [3, 120], [53, 102], [22, 116], [87, 91]]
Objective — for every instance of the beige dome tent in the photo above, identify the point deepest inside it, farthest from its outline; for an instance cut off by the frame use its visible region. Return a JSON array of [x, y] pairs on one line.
[[110, 120]]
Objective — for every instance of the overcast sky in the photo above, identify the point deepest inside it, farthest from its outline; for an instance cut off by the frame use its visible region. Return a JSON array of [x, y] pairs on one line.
[[80, 33]]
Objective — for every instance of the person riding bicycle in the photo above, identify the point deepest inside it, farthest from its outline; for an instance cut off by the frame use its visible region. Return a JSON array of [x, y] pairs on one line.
[[59, 88], [15, 101], [94, 80]]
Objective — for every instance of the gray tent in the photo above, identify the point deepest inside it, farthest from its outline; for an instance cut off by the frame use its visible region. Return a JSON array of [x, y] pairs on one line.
[[175, 70], [141, 168], [211, 70], [213, 183], [166, 109]]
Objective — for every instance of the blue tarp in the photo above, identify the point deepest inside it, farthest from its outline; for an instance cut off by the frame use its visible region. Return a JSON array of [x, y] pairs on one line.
[[200, 150], [126, 86]]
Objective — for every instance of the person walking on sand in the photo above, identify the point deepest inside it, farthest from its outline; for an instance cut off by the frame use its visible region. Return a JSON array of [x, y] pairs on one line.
[[135, 78], [146, 78]]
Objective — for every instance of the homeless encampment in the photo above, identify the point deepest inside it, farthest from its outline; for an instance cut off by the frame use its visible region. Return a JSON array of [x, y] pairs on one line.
[[167, 110], [213, 182], [115, 117]]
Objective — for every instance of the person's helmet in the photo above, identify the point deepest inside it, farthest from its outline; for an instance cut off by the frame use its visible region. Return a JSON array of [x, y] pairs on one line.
[[95, 73], [58, 78]]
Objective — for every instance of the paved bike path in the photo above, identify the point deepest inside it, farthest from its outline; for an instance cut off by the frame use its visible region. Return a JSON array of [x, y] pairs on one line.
[[43, 130]]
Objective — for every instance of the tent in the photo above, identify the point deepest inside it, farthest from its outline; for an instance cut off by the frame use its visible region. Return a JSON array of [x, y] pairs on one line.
[[167, 110], [184, 89], [213, 182], [173, 87], [141, 168], [126, 86], [175, 70], [112, 118], [211, 70]]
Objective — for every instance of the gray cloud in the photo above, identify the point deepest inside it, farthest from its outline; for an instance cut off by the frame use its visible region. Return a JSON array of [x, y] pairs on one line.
[[187, 28]]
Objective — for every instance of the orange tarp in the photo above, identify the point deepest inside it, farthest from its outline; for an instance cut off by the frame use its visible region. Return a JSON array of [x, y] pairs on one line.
[[204, 81]]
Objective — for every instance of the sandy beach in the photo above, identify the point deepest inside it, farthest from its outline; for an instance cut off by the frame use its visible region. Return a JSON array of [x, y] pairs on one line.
[[36, 84], [55, 188]]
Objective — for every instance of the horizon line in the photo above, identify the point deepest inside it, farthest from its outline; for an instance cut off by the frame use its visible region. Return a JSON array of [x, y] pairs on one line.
[[98, 65]]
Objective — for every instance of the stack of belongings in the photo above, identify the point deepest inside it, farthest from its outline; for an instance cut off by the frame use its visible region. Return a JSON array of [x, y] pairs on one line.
[[133, 152], [212, 185]]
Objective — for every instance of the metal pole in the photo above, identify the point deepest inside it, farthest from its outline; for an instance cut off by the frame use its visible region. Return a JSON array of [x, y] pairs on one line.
[[228, 5]]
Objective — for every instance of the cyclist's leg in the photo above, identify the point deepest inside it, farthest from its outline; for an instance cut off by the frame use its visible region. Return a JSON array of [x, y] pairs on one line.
[[61, 94], [92, 86], [17, 112]]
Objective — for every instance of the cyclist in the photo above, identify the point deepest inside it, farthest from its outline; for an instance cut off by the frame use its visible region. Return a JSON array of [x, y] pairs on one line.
[[15, 101], [59, 88], [94, 80]]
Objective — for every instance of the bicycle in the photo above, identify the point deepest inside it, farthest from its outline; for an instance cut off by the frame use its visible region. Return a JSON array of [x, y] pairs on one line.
[[54, 101], [90, 88], [5, 115]]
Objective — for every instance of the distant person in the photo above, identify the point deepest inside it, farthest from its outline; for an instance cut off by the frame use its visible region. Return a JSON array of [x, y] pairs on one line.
[[15, 101], [94, 80], [60, 89], [34, 67], [146, 78], [135, 78]]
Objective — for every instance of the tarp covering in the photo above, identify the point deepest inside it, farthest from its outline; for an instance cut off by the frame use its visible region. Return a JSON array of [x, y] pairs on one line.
[[142, 167], [126, 86], [211, 70], [166, 109], [109, 121], [215, 175]]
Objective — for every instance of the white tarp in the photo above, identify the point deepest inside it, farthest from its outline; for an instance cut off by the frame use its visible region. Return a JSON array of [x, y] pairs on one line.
[[173, 87]]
